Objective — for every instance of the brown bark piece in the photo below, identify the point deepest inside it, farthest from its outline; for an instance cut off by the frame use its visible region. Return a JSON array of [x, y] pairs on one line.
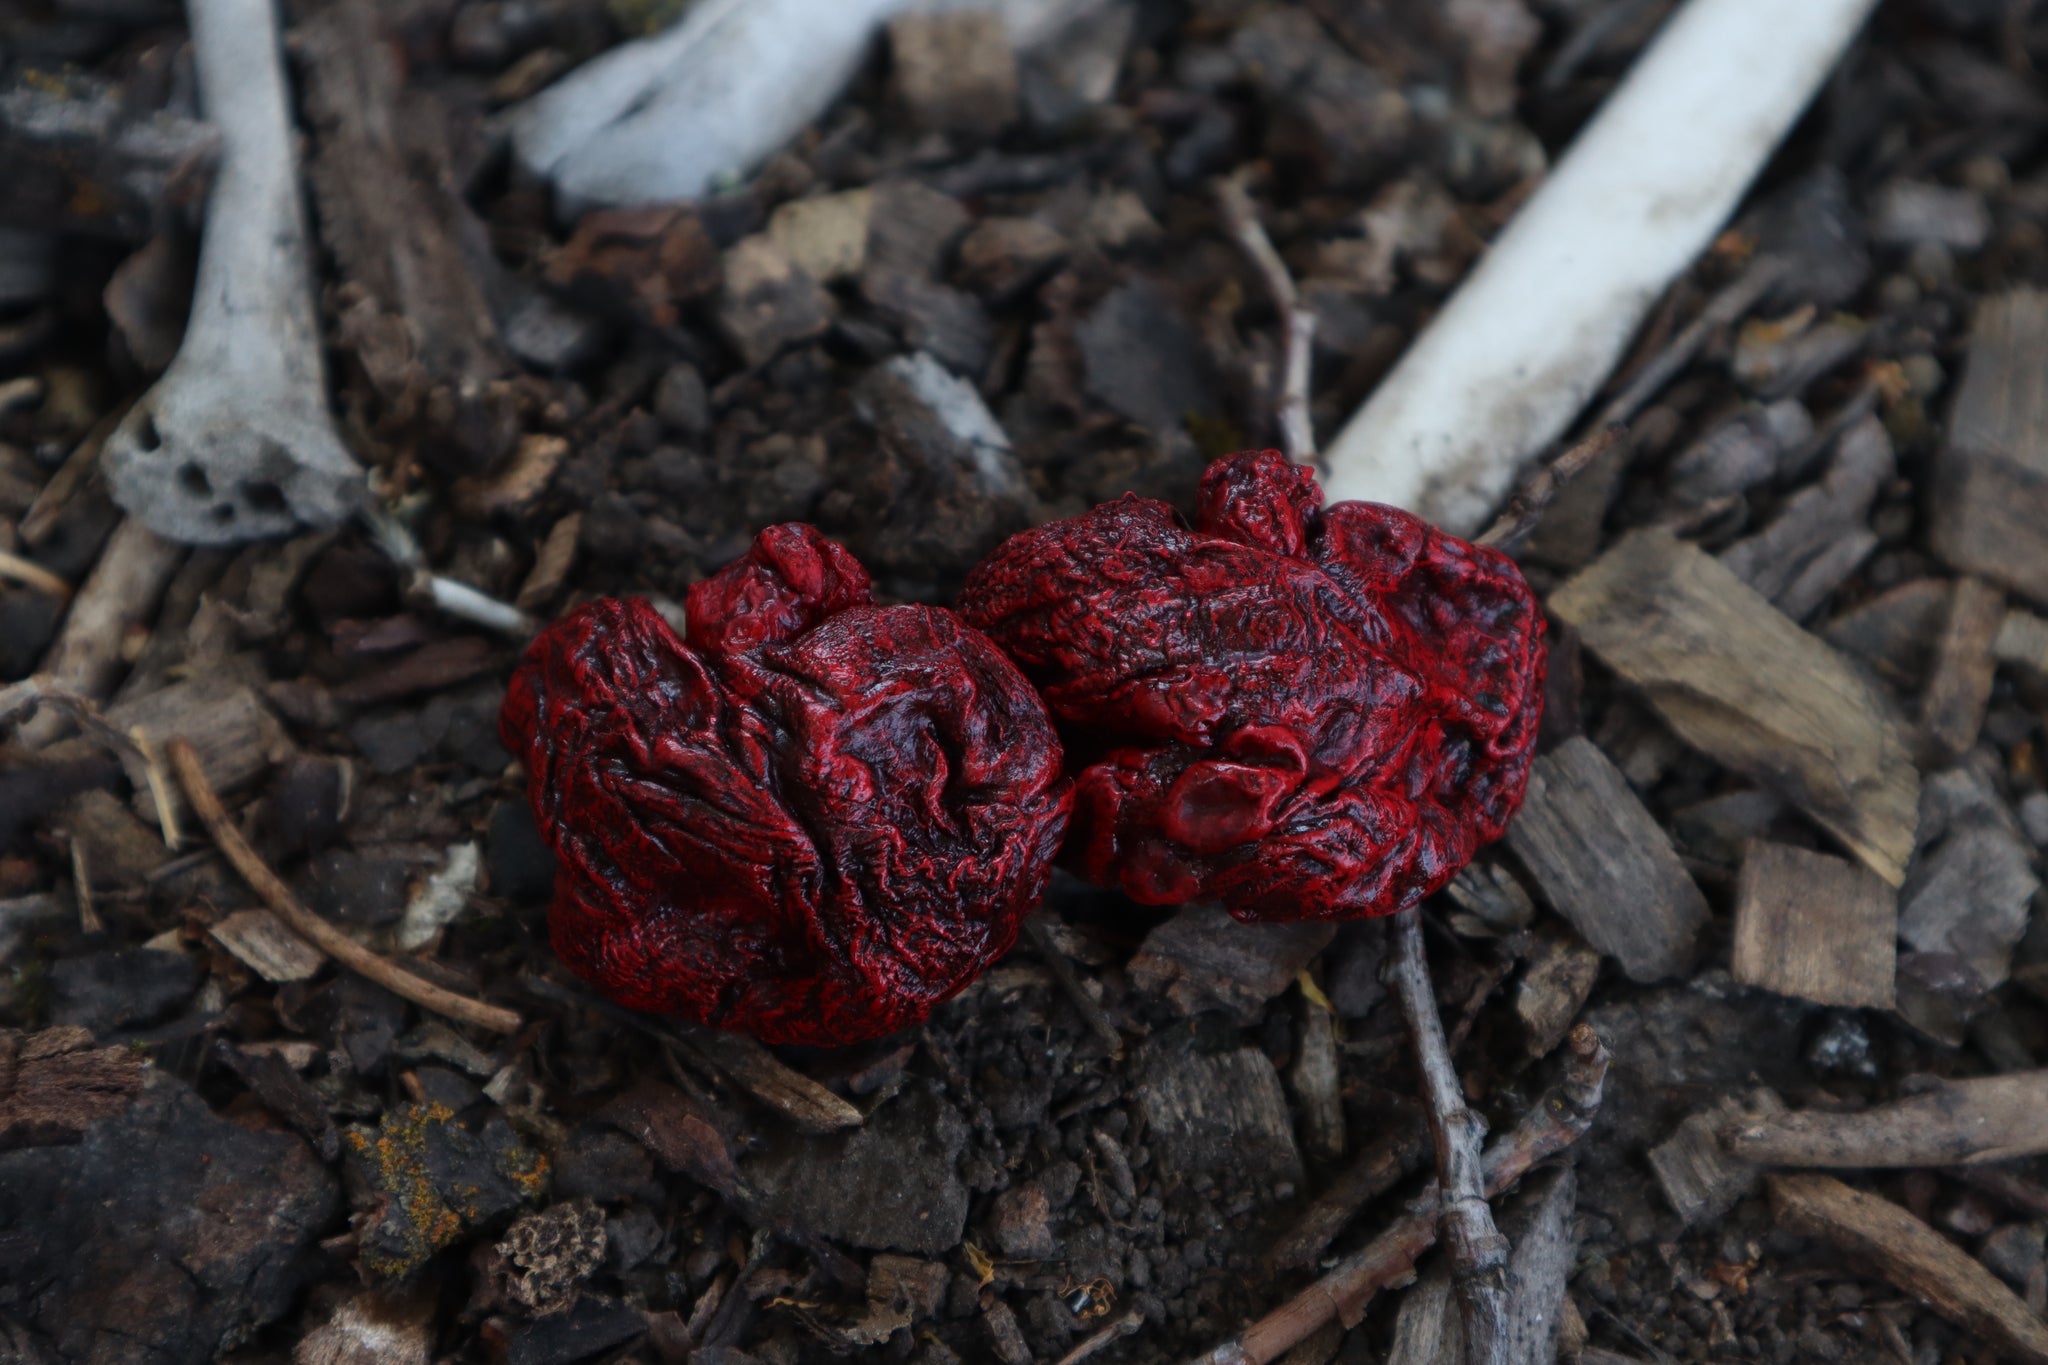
[[1815, 927], [55, 1083], [1699, 1176], [1203, 959], [1554, 987], [235, 735], [1604, 863], [1820, 535], [1214, 1112], [1912, 1256], [1952, 709], [1895, 634], [1991, 478], [261, 942], [1988, 1118], [768, 302], [955, 73], [1742, 683], [391, 211]]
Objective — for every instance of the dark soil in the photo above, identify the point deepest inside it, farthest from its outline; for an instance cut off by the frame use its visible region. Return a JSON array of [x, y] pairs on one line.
[[270, 1169]]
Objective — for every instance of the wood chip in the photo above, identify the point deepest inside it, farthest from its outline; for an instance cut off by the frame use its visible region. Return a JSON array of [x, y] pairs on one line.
[[1210, 1112], [1990, 513], [1896, 633], [826, 235], [1821, 534], [1815, 927], [1604, 863], [524, 478], [1315, 1079], [551, 564], [234, 733], [1554, 987], [1989, 1118], [756, 1070], [1971, 896], [1952, 709], [1699, 1176], [1202, 959], [1912, 1256], [55, 1083], [261, 942], [1739, 681], [119, 596]]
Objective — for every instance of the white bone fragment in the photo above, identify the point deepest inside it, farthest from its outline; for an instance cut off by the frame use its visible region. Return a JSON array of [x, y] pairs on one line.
[[667, 117], [1533, 332], [235, 441]]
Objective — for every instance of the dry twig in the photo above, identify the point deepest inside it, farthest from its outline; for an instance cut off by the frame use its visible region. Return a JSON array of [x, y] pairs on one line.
[[1297, 431], [1479, 1254], [1555, 1122], [1540, 489], [1989, 1118], [309, 926], [1912, 1256], [1070, 981], [30, 574]]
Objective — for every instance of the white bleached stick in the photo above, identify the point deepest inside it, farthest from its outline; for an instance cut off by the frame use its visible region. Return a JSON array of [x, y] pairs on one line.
[[235, 441], [665, 117], [1536, 328]]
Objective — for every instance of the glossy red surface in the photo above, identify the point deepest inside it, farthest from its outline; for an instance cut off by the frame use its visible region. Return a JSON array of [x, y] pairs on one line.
[[1307, 714], [814, 820]]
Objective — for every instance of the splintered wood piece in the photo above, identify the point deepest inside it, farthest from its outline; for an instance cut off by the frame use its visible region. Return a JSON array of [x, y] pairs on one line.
[[1742, 683], [1819, 536], [1819, 928], [759, 1072], [1912, 1256], [55, 1083], [121, 595], [1952, 709], [1700, 1177], [260, 941], [1991, 478], [235, 735], [1554, 987], [1202, 959], [1204, 1111], [1895, 634], [1989, 1118], [1604, 863]]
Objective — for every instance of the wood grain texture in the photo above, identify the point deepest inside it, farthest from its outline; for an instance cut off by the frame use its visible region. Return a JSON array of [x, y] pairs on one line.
[[1819, 928], [1988, 1118], [1736, 679], [1912, 1256], [1991, 479], [1604, 863]]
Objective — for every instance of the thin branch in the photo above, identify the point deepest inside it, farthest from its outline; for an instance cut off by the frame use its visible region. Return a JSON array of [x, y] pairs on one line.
[[30, 574], [1070, 981], [1540, 489], [309, 926], [1297, 430], [1735, 299], [1479, 1254], [1553, 1123]]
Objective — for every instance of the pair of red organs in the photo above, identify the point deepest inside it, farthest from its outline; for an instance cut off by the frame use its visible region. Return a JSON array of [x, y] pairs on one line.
[[815, 818]]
